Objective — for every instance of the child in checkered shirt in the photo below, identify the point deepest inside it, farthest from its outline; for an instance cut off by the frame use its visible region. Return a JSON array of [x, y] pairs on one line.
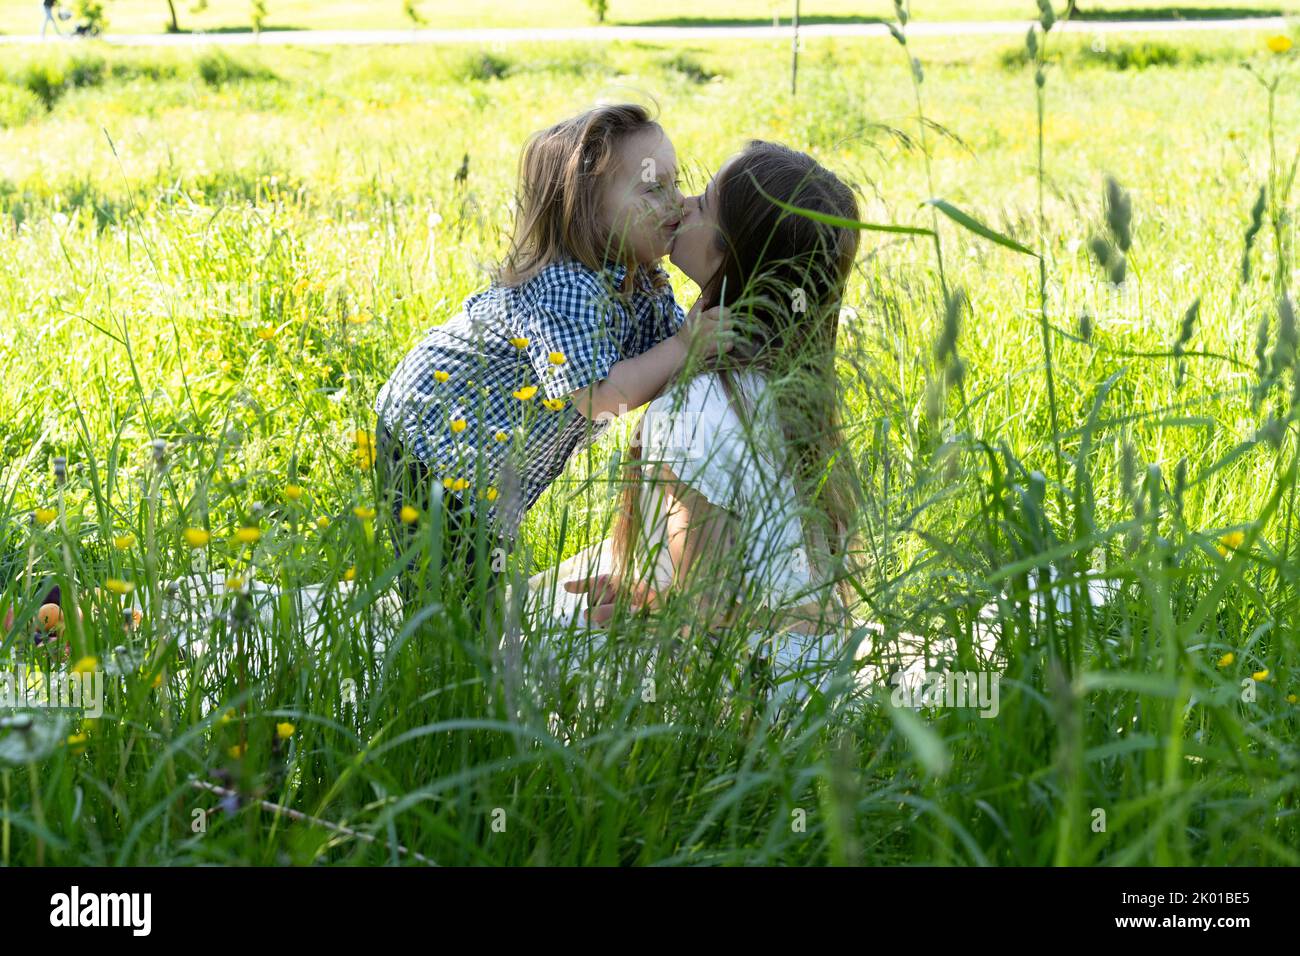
[[578, 326]]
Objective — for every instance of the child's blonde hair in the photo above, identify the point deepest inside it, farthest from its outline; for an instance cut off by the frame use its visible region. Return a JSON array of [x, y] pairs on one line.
[[558, 202]]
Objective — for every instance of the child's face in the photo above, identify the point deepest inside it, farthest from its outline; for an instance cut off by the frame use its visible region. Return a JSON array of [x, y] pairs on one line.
[[697, 247], [641, 203]]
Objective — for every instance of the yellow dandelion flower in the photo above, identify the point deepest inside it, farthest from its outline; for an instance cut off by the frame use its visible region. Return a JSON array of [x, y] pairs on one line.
[[458, 425], [365, 449], [1279, 43], [446, 482], [409, 515], [44, 516], [350, 574], [364, 512], [237, 750], [490, 494], [196, 537], [1227, 659], [284, 730], [557, 358], [519, 342], [77, 742], [501, 436], [322, 522], [1231, 542], [266, 333], [248, 535], [1291, 698], [234, 584], [441, 376], [525, 393], [293, 492], [553, 404], [360, 318], [86, 665], [118, 586], [1260, 675], [124, 542]]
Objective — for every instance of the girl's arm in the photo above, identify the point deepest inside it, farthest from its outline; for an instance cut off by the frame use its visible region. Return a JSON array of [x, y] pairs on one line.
[[700, 538], [634, 381]]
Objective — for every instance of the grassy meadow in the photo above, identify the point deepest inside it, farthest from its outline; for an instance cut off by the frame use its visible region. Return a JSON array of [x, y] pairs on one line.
[[231, 252]]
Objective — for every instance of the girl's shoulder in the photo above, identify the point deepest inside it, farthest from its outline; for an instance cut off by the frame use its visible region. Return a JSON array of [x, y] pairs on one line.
[[568, 283], [707, 406]]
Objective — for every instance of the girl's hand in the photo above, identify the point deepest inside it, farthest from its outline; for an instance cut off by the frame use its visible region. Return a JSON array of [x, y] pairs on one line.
[[600, 589], [602, 595], [707, 333]]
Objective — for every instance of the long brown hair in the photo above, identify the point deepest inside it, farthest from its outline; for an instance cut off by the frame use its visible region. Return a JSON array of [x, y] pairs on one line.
[[783, 277], [558, 198]]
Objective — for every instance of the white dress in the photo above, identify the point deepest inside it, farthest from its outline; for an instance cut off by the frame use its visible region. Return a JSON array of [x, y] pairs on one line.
[[735, 463]]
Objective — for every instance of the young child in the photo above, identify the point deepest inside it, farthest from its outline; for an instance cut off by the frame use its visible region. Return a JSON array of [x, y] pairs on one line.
[[578, 325]]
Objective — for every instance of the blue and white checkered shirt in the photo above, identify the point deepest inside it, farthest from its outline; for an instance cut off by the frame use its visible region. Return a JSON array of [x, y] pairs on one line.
[[460, 400]]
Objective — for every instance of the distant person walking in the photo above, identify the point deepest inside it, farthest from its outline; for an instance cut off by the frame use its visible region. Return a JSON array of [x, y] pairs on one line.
[[50, 7]]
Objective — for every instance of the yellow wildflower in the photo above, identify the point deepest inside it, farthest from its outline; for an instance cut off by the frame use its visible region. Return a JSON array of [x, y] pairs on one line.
[[248, 535], [85, 665], [501, 436], [525, 393], [441, 376], [350, 574], [458, 425], [1291, 698], [409, 515], [124, 542], [519, 342], [266, 334], [553, 404], [196, 537], [365, 449], [322, 522], [284, 730], [1279, 43], [557, 358], [1231, 542], [490, 494], [44, 516], [1260, 675], [78, 743], [1227, 659], [293, 492], [364, 512], [118, 586], [237, 750]]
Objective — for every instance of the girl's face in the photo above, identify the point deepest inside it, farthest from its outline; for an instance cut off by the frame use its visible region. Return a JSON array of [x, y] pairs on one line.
[[696, 249], [641, 202]]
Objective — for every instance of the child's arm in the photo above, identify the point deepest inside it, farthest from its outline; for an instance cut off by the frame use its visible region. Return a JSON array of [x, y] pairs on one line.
[[634, 381]]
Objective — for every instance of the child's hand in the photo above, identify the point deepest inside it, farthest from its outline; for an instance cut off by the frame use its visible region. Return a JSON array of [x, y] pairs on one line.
[[599, 589], [602, 594], [707, 333]]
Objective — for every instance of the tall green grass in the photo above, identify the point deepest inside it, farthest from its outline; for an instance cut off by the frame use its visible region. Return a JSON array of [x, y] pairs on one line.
[[234, 267]]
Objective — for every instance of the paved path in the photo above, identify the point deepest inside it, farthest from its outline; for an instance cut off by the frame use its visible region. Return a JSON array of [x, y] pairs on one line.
[[606, 34]]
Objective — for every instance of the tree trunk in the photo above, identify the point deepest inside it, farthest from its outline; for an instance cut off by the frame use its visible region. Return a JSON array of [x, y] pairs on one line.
[[171, 6]]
